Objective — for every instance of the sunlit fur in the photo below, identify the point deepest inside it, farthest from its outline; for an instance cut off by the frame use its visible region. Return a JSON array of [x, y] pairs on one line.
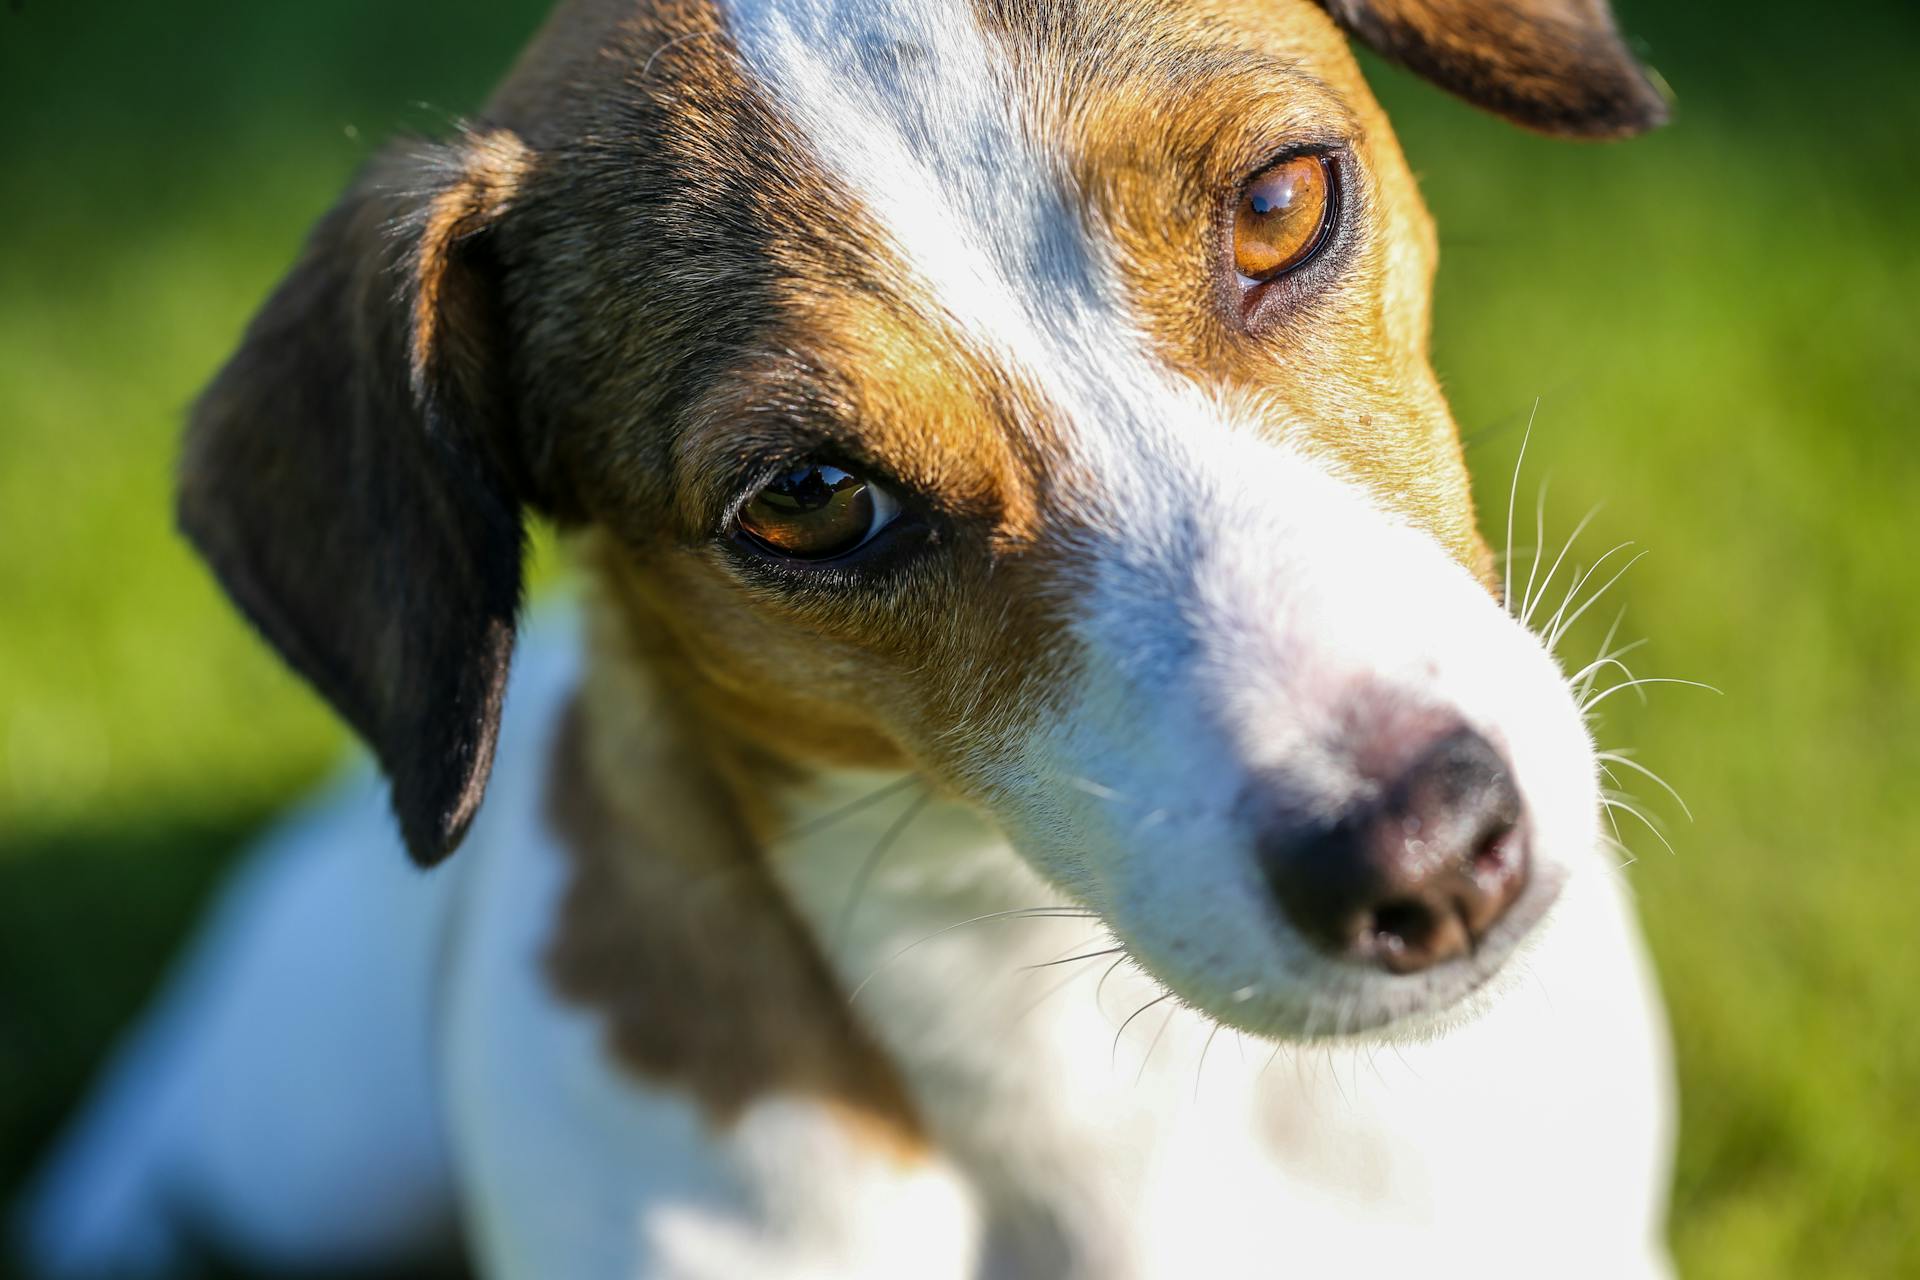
[[910, 922]]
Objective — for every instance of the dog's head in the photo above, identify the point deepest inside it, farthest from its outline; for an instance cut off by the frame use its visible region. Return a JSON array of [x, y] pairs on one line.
[[1035, 394]]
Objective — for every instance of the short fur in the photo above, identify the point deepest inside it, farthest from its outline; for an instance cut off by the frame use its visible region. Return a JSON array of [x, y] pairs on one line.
[[737, 976]]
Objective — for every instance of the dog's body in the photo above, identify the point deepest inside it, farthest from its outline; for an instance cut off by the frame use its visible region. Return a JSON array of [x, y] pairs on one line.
[[375, 1001], [903, 863]]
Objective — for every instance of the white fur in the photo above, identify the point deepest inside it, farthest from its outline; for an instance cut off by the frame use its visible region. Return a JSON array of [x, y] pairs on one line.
[[1229, 629], [1176, 1150], [574, 1170]]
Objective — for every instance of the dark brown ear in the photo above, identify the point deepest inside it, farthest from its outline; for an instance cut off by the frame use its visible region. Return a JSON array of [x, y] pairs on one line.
[[351, 474], [1558, 66]]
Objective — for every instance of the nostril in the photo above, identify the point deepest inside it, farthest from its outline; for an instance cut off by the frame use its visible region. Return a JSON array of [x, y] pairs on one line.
[[1403, 926], [1498, 851]]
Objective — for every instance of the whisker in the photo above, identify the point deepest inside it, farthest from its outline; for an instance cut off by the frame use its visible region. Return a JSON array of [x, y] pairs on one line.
[[1050, 993], [1581, 688], [647, 68], [1560, 626], [1612, 689], [1615, 796], [1619, 840], [1513, 494], [1200, 1071], [1539, 536], [1113, 1058], [1533, 601], [1090, 955], [1553, 629], [1333, 1074], [1614, 802], [1153, 1044], [1621, 758], [828, 819], [1018, 913], [1100, 989], [1582, 676], [882, 846]]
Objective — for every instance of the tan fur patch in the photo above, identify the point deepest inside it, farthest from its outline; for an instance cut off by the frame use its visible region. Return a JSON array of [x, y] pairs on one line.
[[492, 165], [1168, 120]]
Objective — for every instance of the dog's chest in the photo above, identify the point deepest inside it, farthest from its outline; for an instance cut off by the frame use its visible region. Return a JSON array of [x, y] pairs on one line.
[[1095, 1116], [1094, 1131], [1098, 1119]]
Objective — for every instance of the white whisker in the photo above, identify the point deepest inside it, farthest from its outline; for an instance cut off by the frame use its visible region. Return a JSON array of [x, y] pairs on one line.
[[1560, 625], [1621, 758], [1539, 537], [1513, 494], [1533, 601], [1612, 800], [1200, 1071], [1153, 1044], [1018, 913], [1113, 1058], [1612, 689]]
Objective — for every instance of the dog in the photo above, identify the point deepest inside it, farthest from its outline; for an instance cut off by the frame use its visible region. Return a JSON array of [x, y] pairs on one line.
[[1038, 779]]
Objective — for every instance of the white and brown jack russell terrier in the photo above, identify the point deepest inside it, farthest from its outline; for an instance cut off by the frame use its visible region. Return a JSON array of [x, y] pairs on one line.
[[1036, 624]]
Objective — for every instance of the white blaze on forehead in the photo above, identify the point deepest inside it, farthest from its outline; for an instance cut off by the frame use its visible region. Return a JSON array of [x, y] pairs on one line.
[[919, 113], [913, 108]]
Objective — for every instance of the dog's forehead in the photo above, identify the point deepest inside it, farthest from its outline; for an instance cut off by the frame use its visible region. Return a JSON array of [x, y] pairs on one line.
[[988, 230], [985, 151], [971, 131]]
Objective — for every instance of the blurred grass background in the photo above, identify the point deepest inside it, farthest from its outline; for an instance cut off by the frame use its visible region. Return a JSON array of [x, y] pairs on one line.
[[1720, 324]]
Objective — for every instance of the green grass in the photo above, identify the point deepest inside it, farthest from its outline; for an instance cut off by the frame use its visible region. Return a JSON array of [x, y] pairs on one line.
[[1719, 325]]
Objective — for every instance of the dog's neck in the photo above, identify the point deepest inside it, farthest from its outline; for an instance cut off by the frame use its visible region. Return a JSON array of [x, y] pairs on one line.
[[1003, 1008], [753, 926], [901, 889]]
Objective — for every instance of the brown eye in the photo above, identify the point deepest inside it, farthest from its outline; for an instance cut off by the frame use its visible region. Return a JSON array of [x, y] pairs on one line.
[[1283, 218], [817, 512]]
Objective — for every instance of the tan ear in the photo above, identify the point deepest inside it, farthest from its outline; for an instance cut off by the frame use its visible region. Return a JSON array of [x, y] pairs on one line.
[[353, 479], [1558, 66]]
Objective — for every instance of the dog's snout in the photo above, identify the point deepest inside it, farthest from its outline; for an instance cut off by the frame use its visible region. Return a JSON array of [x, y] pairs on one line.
[[1416, 875]]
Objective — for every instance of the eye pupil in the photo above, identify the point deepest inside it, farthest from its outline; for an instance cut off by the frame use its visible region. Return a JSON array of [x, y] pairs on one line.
[[807, 489], [814, 512], [1283, 218]]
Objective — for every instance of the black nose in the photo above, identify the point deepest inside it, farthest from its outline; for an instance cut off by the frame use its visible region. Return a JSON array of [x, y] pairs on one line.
[[1416, 875]]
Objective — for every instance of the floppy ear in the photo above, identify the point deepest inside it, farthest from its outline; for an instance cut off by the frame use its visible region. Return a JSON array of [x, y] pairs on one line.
[[352, 474], [1558, 66]]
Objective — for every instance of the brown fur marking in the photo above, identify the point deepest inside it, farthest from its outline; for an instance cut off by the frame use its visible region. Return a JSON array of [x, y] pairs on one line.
[[674, 934], [1558, 66]]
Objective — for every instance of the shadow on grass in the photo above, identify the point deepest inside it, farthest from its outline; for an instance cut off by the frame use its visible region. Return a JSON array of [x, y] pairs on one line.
[[91, 920]]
